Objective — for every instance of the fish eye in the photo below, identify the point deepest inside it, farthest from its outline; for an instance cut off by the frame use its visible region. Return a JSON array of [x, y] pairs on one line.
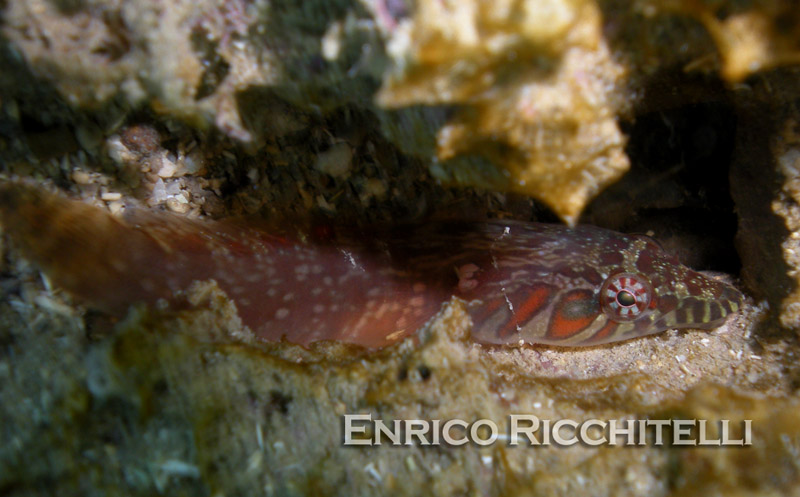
[[625, 296]]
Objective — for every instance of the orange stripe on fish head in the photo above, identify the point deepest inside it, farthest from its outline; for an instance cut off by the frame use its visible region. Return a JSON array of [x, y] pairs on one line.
[[573, 313]]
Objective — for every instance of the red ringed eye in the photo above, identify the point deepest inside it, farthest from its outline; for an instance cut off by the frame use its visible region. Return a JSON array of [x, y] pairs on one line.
[[625, 296]]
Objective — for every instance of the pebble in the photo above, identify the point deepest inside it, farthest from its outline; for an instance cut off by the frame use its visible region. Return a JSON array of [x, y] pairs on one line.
[[110, 196], [81, 177], [179, 203], [336, 160]]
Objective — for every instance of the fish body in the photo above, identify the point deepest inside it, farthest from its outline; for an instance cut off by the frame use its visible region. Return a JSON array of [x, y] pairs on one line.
[[520, 282]]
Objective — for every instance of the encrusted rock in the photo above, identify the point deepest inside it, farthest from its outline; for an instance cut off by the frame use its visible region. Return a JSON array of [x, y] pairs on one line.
[[534, 87]]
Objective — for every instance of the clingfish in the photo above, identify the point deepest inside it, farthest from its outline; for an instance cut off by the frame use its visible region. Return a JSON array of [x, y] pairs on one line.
[[519, 282]]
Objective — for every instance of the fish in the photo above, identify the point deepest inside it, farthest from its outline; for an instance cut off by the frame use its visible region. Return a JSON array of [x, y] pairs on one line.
[[520, 282]]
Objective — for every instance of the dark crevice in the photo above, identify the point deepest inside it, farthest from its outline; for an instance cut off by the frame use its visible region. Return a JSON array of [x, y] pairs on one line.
[[680, 144]]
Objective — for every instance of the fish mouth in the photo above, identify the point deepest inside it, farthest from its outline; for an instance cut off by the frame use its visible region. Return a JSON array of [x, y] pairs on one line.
[[731, 300], [709, 313], [705, 311]]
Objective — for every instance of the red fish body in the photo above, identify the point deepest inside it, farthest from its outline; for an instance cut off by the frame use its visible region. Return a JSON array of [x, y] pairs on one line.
[[520, 282]]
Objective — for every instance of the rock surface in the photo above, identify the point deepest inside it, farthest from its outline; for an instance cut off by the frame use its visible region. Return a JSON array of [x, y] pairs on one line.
[[355, 113]]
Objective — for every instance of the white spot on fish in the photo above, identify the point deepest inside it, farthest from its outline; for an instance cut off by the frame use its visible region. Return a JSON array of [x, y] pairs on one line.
[[510, 307], [519, 274], [352, 260], [381, 310], [465, 277], [417, 301], [282, 313]]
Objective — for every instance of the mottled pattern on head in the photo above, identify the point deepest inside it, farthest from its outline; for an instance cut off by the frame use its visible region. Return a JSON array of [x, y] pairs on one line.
[[520, 282], [539, 283]]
